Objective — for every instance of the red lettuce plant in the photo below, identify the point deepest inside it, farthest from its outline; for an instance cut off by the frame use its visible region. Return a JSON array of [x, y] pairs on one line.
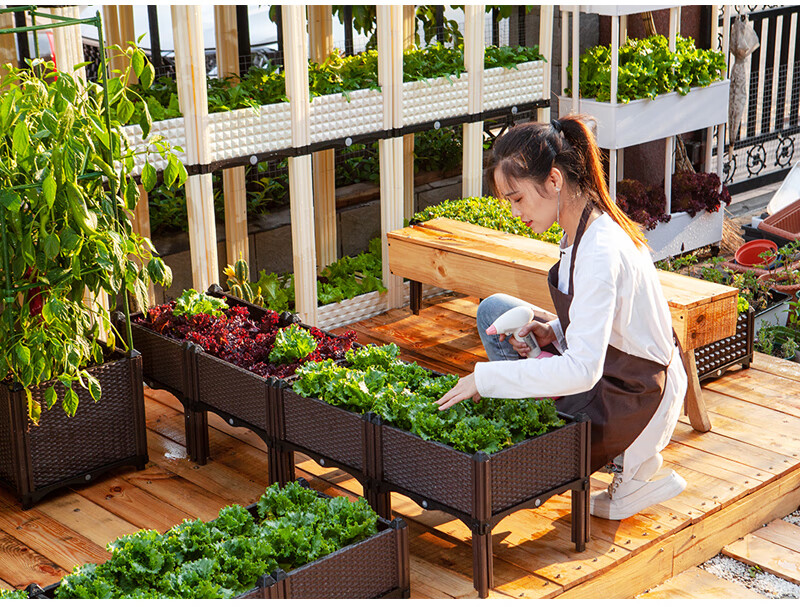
[[241, 340], [695, 192], [645, 205]]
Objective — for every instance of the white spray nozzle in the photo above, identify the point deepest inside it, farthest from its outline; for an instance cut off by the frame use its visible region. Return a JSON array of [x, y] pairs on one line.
[[512, 321]]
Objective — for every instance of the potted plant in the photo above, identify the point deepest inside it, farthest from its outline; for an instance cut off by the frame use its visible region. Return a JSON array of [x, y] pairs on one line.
[[785, 277], [783, 342], [71, 403]]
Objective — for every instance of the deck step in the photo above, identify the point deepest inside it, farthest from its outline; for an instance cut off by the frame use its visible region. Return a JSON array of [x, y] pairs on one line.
[[774, 549], [696, 583]]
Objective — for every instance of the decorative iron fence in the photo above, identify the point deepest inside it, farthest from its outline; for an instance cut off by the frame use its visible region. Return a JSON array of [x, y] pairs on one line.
[[765, 144]]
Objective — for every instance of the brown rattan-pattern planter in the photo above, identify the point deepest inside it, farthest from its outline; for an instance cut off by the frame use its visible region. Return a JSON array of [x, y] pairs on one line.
[[63, 450], [479, 489], [376, 567], [715, 358]]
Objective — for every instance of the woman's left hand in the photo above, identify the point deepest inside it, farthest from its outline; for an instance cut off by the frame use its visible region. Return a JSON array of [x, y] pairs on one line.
[[463, 390]]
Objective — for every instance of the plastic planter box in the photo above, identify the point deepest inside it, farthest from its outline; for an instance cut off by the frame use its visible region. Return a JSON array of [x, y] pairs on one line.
[[683, 233], [479, 489], [63, 450], [377, 567], [482, 489], [619, 125], [776, 314], [713, 359]]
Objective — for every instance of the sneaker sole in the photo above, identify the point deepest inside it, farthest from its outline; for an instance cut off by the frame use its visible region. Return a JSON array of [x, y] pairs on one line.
[[660, 491]]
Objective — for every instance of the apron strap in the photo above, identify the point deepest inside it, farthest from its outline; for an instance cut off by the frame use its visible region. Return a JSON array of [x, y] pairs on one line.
[[587, 210]]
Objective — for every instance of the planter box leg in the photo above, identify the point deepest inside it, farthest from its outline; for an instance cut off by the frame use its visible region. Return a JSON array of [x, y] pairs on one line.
[[580, 517], [281, 466], [381, 501], [482, 566], [415, 295], [196, 434]]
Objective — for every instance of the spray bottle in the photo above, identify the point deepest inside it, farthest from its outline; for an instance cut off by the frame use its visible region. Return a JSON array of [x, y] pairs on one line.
[[511, 322]]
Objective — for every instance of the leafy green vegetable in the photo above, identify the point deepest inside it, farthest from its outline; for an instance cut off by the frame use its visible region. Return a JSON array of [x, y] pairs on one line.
[[192, 303], [292, 343], [403, 394], [487, 212], [13, 594], [225, 557], [647, 68]]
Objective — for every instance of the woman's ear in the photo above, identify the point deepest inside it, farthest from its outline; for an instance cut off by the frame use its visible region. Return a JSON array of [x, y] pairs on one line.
[[555, 180]]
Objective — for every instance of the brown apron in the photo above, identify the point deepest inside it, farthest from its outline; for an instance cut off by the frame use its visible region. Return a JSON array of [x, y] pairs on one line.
[[625, 399]]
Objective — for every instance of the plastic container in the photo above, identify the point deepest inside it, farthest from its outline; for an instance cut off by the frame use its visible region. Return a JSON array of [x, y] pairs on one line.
[[785, 223], [749, 254]]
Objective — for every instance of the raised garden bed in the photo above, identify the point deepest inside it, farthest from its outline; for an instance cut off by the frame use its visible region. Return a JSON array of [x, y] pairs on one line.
[[479, 489], [375, 567], [67, 450], [712, 360]]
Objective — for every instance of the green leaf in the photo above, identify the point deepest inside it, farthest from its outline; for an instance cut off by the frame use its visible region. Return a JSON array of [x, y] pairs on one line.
[[70, 402], [124, 110], [94, 387], [49, 188], [171, 172], [145, 121], [23, 354], [138, 61], [50, 397], [51, 246], [10, 200], [21, 139], [148, 176], [147, 76]]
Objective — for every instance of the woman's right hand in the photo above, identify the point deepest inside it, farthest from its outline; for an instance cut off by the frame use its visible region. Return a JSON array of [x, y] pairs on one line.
[[542, 332]]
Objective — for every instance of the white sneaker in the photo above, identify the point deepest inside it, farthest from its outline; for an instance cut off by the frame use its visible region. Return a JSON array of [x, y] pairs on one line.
[[624, 499]]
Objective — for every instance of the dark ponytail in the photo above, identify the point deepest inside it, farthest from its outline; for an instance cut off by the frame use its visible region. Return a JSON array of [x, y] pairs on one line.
[[530, 150]]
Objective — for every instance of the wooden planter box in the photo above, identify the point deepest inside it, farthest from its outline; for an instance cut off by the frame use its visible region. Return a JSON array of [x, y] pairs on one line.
[[63, 450], [377, 567], [479, 489]]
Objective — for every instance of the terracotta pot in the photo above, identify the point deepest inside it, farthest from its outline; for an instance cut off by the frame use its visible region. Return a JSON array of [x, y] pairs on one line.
[[772, 279]]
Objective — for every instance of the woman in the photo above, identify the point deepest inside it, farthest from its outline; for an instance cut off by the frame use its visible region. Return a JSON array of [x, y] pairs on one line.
[[618, 360]]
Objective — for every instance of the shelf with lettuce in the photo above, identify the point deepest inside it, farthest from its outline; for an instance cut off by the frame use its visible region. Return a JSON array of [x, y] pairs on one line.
[[346, 103], [648, 90]]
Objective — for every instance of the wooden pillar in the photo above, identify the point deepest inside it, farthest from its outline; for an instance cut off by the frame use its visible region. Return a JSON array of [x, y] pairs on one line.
[[320, 34], [190, 69], [295, 63], [409, 26], [390, 78], [233, 180], [546, 49], [8, 45], [472, 180], [141, 225]]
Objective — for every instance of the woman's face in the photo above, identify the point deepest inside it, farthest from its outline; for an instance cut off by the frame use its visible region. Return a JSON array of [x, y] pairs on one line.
[[536, 207]]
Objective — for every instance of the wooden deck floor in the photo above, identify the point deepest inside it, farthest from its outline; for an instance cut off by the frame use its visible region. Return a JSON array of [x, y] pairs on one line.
[[742, 474]]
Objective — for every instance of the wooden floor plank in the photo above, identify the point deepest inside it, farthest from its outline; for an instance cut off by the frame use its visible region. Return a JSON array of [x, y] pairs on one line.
[[91, 520], [770, 557], [171, 488], [762, 416], [696, 583], [48, 537], [782, 533], [20, 565], [136, 506], [761, 388], [776, 366]]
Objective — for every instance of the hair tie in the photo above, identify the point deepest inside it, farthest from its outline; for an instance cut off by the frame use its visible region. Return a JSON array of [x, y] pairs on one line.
[[556, 125]]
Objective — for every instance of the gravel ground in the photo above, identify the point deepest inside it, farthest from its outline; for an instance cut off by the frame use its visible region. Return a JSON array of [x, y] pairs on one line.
[[766, 584]]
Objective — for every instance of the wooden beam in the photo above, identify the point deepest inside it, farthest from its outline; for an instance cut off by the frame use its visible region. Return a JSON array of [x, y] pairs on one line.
[[68, 43], [190, 69], [233, 180], [409, 27], [390, 78], [8, 45], [472, 164], [320, 34], [300, 192], [546, 49]]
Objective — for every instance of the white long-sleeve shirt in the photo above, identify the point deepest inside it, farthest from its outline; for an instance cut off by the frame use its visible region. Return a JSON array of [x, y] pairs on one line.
[[617, 300]]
